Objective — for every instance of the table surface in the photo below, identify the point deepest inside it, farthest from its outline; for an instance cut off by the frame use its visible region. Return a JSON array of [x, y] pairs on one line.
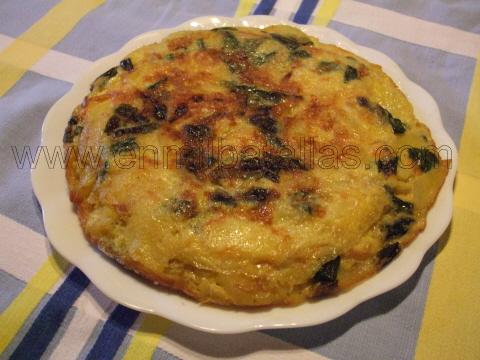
[[49, 309]]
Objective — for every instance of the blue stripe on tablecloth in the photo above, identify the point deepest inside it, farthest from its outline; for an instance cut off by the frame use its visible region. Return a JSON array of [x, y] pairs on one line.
[[161, 354], [122, 349], [24, 329], [305, 11], [51, 317], [21, 125], [10, 287], [113, 24], [113, 333], [265, 7], [12, 25], [463, 14], [59, 334]]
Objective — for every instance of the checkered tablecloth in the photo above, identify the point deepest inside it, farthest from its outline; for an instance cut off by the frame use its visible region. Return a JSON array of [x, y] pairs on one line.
[[49, 309]]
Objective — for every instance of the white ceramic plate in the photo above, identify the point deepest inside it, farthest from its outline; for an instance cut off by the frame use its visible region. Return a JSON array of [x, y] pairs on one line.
[[64, 232]]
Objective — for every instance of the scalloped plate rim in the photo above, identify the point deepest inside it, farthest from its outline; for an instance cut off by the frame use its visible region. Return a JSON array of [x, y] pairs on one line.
[[189, 313]]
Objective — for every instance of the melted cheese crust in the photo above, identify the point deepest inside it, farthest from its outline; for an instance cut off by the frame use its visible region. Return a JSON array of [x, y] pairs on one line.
[[268, 225]]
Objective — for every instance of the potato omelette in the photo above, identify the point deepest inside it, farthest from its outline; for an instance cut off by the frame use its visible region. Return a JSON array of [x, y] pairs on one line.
[[250, 167]]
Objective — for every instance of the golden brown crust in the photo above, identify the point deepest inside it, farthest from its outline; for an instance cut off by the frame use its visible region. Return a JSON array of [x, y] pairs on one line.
[[305, 206]]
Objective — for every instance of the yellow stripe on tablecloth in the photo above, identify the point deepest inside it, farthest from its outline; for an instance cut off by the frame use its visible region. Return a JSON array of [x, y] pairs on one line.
[[451, 321], [17, 312], [469, 196], [325, 12], [469, 162], [34, 43], [146, 338], [244, 8]]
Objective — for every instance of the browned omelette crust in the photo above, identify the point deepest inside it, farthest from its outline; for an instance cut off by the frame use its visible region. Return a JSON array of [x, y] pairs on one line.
[[305, 205]]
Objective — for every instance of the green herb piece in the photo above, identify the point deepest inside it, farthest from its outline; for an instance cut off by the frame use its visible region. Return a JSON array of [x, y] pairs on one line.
[[235, 67], [201, 44], [170, 57], [399, 228], [140, 129], [112, 124], [262, 98], [388, 253], [184, 208], [399, 204], [126, 110], [78, 130], [327, 66], [180, 111], [363, 101], [73, 121], [196, 132], [223, 197], [68, 135], [266, 123], [230, 42], [160, 112], [300, 53], [123, 145], [270, 166], [388, 166], [350, 74], [71, 131], [397, 125], [224, 28], [259, 59], [104, 170], [110, 73], [289, 42], [255, 96], [328, 272], [158, 83], [304, 200], [126, 64], [251, 45], [257, 194], [100, 81], [425, 158], [402, 205]]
